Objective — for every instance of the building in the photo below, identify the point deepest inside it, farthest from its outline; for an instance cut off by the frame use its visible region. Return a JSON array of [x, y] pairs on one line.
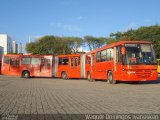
[[5, 44], [15, 47]]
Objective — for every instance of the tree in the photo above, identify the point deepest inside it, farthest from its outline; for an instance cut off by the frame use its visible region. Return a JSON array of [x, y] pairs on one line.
[[48, 45], [74, 43], [150, 33], [55, 45], [94, 42]]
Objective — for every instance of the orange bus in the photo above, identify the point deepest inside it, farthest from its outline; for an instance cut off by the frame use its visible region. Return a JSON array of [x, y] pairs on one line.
[[122, 61], [69, 66], [27, 65]]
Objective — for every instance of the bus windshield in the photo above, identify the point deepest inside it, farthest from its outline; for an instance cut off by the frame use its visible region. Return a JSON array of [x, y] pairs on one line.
[[139, 54]]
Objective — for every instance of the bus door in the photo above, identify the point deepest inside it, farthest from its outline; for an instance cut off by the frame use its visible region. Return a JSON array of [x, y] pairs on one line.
[[46, 66], [75, 67], [118, 66], [35, 63], [14, 65]]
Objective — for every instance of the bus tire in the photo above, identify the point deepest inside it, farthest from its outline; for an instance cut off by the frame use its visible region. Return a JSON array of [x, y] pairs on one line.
[[111, 78], [64, 75], [25, 74]]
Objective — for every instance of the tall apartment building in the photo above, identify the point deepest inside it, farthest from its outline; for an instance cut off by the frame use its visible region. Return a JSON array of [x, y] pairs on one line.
[[15, 47], [6, 45]]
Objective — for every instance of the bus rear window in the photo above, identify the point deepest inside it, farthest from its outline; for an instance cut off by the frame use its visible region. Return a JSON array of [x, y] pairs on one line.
[[6, 59]]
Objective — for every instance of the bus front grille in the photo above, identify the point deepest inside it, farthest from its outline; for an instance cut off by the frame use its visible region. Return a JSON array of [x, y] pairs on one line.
[[143, 73]]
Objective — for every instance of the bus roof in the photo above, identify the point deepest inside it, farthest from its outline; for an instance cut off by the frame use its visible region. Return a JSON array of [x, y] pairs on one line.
[[118, 43], [29, 55], [70, 55]]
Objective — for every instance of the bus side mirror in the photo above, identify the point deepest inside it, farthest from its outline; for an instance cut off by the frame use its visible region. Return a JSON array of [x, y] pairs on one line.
[[123, 51]]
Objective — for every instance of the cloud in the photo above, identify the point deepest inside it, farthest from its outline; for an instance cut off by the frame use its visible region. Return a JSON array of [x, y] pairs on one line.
[[68, 27]]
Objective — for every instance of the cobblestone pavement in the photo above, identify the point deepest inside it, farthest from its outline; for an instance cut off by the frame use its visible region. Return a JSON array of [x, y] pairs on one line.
[[57, 96]]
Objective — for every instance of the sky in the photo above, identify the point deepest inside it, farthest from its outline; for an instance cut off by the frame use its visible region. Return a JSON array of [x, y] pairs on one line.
[[24, 19]]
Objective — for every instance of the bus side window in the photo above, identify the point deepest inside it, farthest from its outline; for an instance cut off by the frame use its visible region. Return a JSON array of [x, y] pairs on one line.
[[63, 61], [103, 55], [79, 60], [6, 59], [109, 54], [72, 61], [93, 58], [98, 56], [118, 54], [26, 60], [60, 61], [48, 62], [88, 59], [14, 62]]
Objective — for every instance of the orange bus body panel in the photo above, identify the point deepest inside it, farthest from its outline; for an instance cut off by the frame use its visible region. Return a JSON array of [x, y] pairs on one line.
[[70, 64], [39, 66]]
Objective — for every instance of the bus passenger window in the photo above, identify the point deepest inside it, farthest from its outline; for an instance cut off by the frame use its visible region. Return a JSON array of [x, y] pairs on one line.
[[26, 60], [98, 57], [35, 61], [63, 61], [103, 55], [72, 61], [118, 54], [48, 62], [14, 62], [6, 59], [109, 54], [88, 59], [76, 62]]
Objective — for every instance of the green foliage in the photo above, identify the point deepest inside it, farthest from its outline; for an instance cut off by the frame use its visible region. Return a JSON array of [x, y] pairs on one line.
[[94, 42], [54, 45], [151, 33], [74, 43]]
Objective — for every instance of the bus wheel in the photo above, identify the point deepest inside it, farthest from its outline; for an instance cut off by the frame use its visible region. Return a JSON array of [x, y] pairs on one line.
[[110, 78], [25, 74], [64, 75]]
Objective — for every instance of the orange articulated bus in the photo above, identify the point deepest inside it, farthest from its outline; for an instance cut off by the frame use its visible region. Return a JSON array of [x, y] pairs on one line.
[[122, 61], [27, 65], [62, 66], [69, 66]]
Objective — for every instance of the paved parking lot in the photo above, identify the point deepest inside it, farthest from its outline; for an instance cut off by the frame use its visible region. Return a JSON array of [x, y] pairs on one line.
[[56, 96]]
